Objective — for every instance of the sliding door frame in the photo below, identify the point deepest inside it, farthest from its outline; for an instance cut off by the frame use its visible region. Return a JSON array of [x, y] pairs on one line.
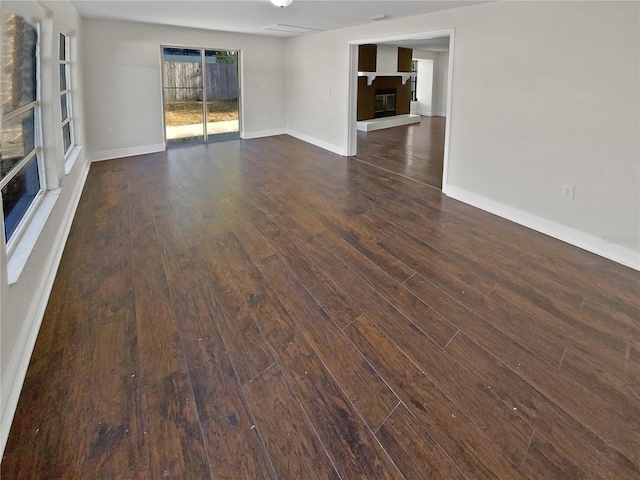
[[202, 51]]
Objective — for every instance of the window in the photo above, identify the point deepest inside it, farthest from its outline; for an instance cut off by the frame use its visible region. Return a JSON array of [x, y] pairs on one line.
[[65, 95], [21, 163], [414, 80]]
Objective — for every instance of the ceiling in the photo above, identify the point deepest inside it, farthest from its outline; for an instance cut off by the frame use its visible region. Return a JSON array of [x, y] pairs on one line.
[[256, 16]]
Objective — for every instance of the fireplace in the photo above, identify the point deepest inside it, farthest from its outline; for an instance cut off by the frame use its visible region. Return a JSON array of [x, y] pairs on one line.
[[385, 103]]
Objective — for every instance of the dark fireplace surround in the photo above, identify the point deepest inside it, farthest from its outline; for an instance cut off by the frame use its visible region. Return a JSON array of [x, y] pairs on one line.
[[367, 104]]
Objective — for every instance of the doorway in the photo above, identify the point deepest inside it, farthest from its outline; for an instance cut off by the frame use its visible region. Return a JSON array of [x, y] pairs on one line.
[[417, 150], [201, 95]]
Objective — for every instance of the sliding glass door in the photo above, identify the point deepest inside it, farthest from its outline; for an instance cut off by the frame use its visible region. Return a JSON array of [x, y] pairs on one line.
[[221, 80], [193, 93], [183, 95]]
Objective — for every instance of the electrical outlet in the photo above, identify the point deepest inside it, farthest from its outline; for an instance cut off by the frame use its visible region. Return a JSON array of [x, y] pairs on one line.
[[335, 127], [567, 191], [109, 132]]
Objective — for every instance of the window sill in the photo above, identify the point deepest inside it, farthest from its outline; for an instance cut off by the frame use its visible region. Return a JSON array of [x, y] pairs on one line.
[[71, 159], [22, 251]]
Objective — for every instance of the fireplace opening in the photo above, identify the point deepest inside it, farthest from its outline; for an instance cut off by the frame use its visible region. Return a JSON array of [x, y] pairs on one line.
[[385, 104]]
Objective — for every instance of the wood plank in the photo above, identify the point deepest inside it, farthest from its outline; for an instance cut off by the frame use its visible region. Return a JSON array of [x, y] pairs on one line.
[[544, 461], [478, 315], [113, 425], [432, 324], [559, 388], [361, 384], [476, 455], [173, 431], [428, 261], [592, 454], [114, 435], [603, 330], [390, 264], [456, 231], [415, 452], [499, 271], [234, 448], [303, 236], [236, 275], [548, 337], [337, 305], [491, 415], [350, 444], [247, 297], [617, 291], [158, 340], [624, 324], [295, 448], [620, 390]]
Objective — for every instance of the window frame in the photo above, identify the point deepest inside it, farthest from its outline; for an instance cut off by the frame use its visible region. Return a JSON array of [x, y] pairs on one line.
[[37, 151], [414, 81], [66, 62]]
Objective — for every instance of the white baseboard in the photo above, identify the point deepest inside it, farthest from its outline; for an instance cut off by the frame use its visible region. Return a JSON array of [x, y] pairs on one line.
[[126, 152], [424, 113], [264, 133], [318, 143], [590, 243], [19, 362]]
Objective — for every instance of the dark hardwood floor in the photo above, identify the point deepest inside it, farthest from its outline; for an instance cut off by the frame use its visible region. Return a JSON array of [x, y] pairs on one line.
[[265, 309], [414, 151]]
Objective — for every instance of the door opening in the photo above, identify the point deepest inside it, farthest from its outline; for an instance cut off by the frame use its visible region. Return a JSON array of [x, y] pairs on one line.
[[416, 150], [200, 95]]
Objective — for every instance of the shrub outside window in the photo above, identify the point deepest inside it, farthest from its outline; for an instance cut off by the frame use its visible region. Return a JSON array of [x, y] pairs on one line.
[[22, 179]]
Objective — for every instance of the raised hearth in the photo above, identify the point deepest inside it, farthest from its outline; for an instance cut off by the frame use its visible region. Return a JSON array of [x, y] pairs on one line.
[[387, 122]]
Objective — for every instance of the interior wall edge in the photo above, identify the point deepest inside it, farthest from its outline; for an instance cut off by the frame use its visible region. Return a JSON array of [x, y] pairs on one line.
[[337, 149], [590, 243], [126, 152], [263, 133]]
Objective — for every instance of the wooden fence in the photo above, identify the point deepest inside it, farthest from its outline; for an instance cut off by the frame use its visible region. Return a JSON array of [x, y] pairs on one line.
[[183, 81]]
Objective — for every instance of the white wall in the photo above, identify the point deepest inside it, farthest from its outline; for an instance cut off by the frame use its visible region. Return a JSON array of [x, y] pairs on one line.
[[424, 87], [386, 58], [440, 80], [544, 94], [122, 68], [441, 84], [317, 83], [23, 301]]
